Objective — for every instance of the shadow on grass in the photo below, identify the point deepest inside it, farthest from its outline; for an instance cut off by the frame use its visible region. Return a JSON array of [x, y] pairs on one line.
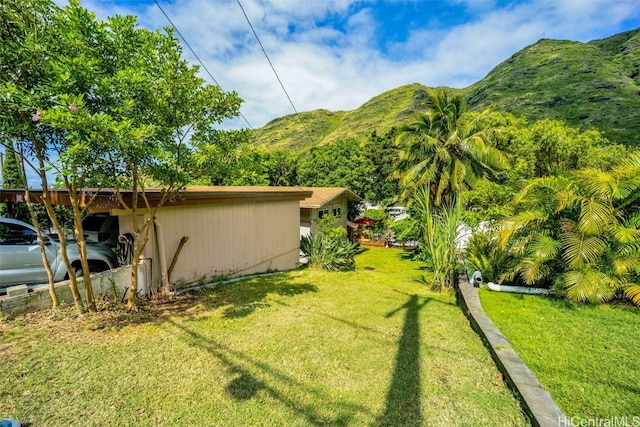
[[242, 299], [254, 377], [361, 250], [239, 299], [403, 406], [407, 254]]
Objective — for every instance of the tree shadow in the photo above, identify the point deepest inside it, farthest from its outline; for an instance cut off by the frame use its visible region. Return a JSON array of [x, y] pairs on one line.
[[403, 405], [361, 250], [407, 254], [248, 385], [243, 298]]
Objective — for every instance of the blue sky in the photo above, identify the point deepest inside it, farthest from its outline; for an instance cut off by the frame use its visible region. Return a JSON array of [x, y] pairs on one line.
[[337, 54]]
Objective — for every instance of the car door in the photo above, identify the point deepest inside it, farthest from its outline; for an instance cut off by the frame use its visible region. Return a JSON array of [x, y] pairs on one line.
[[20, 258]]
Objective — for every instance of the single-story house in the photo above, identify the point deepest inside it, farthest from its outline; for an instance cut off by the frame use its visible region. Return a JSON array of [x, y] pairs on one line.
[[231, 231], [325, 201]]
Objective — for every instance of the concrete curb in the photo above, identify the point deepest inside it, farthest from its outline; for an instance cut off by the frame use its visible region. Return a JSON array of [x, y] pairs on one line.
[[535, 400]]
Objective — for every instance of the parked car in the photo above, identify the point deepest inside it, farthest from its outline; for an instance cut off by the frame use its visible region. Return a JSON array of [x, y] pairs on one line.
[[101, 228], [21, 260]]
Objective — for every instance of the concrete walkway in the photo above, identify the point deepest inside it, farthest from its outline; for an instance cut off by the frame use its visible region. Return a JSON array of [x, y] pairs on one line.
[[536, 401]]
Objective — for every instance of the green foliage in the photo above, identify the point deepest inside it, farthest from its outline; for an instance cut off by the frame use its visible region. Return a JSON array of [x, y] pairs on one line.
[[577, 232], [381, 218], [117, 103], [383, 153], [483, 253], [340, 164], [405, 230], [329, 248], [446, 149], [237, 163], [281, 167], [440, 234]]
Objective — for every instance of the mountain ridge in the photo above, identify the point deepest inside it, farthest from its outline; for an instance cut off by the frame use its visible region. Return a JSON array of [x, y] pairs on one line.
[[587, 85]]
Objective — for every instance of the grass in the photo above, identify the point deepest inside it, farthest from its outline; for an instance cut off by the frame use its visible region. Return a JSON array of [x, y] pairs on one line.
[[371, 347], [586, 356]]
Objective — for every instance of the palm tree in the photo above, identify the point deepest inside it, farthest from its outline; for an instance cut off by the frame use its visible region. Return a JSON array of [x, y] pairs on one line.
[[581, 232], [445, 149]]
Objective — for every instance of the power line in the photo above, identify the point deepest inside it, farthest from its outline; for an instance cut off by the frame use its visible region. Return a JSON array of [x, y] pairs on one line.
[[196, 56], [274, 70]]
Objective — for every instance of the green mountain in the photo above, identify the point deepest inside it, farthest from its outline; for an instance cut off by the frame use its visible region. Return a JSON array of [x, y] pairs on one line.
[[588, 85]]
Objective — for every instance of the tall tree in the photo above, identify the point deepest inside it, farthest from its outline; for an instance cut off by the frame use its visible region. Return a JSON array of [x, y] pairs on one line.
[[339, 164], [12, 177], [445, 149], [145, 119], [105, 102], [27, 63], [383, 154]]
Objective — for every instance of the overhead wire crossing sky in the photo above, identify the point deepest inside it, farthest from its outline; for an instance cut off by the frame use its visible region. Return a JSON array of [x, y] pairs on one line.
[[275, 72], [195, 54]]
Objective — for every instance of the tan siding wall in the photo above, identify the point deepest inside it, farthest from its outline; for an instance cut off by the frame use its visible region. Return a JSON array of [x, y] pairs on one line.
[[341, 221], [227, 239]]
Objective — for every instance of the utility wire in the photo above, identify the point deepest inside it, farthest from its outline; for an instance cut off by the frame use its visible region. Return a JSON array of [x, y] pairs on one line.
[[274, 70], [196, 56]]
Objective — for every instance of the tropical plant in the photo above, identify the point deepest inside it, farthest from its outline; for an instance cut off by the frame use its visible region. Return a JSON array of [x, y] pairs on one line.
[[581, 232], [328, 248], [440, 236], [446, 149], [484, 254]]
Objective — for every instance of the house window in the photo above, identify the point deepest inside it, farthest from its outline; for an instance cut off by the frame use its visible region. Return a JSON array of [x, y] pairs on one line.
[[337, 212], [322, 213]]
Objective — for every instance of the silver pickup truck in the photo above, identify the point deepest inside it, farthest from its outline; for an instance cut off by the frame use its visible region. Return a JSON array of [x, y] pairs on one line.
[[21, 261]]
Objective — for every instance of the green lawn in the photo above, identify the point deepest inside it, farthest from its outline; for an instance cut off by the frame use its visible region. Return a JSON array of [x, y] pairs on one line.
[[371, 347], [586, 356]]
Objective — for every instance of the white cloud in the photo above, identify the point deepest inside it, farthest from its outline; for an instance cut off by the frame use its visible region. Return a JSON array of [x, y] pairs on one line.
[[341, 67]]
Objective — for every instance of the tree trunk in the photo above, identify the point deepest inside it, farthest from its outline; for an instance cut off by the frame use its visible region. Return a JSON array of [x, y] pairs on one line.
[[82, 250], [47, 267], [132, 302], [73, 284]]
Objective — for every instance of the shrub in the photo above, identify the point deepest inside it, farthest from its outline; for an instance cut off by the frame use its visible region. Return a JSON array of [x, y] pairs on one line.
[[329, 248], [487, 256]]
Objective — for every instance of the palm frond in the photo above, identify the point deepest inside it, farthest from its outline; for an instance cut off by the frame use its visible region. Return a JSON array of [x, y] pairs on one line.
[[580, 250], [626, 235], [544, 247], [588, 285], [509, 226], [622, 266], [556, 185], [532, 270], [632, 291], [594, 216]]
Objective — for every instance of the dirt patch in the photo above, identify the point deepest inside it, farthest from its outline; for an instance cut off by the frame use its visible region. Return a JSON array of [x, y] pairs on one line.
[[110, 315]]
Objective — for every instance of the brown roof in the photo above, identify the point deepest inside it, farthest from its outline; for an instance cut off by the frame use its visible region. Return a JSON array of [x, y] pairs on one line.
[[323, 195], [106, 198]]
